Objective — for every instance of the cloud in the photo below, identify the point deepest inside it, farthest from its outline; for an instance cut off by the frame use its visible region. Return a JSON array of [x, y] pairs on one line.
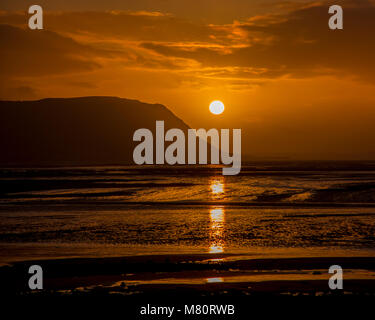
[[139, 26], [294, 43], [35, 53], [298, 44], [18, 93]]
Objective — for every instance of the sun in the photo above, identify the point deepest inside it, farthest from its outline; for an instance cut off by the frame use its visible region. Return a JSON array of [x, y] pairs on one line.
[[217, 107]]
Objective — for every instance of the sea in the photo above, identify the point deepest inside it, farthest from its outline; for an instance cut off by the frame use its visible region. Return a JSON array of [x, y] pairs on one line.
[[271, 208]]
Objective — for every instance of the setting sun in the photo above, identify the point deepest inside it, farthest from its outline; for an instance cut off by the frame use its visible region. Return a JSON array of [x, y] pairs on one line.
[[217, 107]]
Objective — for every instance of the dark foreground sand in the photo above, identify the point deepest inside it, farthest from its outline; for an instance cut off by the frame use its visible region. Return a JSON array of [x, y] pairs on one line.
[[192, 276]]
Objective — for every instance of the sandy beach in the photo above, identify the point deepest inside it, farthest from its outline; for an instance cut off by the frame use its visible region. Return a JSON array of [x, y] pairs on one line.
[[194, 275]]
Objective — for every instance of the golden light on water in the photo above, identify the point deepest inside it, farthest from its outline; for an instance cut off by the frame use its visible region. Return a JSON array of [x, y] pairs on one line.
[[217, 217], [216, 249], [217, 222], [217, 187], [215, 280]]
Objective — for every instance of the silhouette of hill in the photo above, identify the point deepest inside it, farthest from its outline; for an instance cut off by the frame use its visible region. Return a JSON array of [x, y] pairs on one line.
[[76, 131]]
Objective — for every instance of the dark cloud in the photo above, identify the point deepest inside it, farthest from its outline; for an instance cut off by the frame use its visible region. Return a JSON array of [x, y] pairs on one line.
[[19, 93], [140, 26], [215, 11], [35, 53], [299, 44]]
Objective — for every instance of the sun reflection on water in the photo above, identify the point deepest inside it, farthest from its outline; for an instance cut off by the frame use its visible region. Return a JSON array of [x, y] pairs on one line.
[[217, 188], [215, 280], [217, 221]]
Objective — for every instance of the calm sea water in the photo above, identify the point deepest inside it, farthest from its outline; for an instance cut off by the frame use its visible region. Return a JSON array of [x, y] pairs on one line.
[[128, 210]]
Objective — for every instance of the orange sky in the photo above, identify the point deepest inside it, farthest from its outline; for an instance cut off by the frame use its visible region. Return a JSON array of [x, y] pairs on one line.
[[297, 89]]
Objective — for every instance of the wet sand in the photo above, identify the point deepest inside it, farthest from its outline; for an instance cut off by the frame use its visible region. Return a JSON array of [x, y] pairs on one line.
[[192, 275]]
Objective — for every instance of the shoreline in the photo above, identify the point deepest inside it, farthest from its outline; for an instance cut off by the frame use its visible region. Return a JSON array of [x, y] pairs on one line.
[[191, 274]]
